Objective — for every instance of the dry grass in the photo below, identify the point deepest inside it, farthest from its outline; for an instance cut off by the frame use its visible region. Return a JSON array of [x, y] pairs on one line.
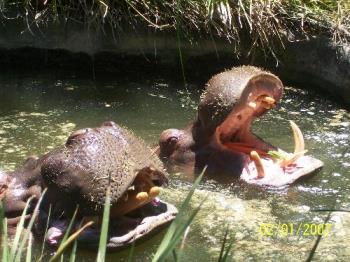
[[264, 24]]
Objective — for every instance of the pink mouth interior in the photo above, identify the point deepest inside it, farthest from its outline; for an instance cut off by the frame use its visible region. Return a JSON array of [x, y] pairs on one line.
[[235, 135]]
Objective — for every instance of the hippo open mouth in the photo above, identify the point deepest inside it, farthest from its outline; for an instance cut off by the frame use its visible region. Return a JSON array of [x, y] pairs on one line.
[[140, 224], [221, 138], [264, 164], [78, 174], [138, 214]]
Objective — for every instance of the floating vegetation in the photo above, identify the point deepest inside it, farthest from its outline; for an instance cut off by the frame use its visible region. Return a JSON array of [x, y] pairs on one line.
[[27, 133]]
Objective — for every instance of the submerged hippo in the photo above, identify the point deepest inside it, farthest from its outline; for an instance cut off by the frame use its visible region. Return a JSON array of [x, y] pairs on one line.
[[221, 138], [79, 173]]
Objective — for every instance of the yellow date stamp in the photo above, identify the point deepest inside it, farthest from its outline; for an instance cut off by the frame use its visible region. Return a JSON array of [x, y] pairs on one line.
[[291, 229]]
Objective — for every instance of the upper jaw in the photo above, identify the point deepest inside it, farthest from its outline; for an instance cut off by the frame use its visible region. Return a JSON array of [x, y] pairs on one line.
[[236, 128], [265, 164], [136, 214]]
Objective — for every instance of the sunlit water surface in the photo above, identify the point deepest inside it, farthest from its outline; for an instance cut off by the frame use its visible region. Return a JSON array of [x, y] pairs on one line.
[[38, 112]]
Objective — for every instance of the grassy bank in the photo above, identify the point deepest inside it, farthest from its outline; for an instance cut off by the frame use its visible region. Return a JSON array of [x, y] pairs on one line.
[[247, 24]]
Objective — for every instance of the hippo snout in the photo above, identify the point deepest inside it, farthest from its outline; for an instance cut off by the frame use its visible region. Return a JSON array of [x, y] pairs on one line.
[[15, 195], [3, 184]]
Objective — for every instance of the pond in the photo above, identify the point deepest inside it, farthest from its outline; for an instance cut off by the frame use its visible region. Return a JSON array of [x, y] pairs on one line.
[[39, 110]]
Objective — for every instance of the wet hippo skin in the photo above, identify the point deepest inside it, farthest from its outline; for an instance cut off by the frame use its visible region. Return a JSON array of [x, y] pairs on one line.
[[220, 137], [79, 173]]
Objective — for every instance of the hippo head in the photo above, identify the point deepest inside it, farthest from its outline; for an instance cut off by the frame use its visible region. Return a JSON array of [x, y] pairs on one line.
[[221, 137], [77, 176], [20, 185]]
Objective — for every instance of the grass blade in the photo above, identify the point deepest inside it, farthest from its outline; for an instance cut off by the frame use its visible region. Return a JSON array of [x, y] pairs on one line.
[[3, 230], [178, 226], [66, 234], [19, 230], [223, 247], [74, 251], [45, 234], [29, 228], [225, 251], [5, 250], [318, 240], [131, 253], [102, 247], [29, 249], [179, 231], [69, 240], [69, 228]]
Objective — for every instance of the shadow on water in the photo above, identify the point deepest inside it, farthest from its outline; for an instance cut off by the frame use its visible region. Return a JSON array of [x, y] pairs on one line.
[[38, 110]]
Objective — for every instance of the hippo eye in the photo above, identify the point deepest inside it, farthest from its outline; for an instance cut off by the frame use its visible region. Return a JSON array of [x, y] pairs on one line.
[[172, 140]]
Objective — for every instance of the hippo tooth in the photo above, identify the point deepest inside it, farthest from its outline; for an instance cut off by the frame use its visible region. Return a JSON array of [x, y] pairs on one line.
[[142, 196], [258, 164], [252, 105], [299, 144], [135, 201], [154, 191], [269, 100]]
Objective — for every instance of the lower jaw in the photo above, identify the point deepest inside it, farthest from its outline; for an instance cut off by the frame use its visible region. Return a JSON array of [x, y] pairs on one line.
[[123, 231], [279, 177]]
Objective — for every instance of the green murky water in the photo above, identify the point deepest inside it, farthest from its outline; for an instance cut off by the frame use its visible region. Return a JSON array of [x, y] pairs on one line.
[[38, 112]]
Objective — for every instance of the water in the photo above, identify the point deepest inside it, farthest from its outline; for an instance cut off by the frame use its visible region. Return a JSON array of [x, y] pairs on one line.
[[39, 110]]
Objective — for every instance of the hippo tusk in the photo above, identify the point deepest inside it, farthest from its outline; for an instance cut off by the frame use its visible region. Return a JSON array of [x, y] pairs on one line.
[[252, 105], [269, 100], [149, 186], [258, 164], [299, 144], [154, 191], [142, 196]]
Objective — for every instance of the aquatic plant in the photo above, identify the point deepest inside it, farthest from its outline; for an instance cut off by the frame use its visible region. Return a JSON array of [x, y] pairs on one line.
[[248, 24]]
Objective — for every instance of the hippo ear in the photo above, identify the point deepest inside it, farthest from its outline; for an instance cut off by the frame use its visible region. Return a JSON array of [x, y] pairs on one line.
[[30, 162], [109, 124], [74, 137]]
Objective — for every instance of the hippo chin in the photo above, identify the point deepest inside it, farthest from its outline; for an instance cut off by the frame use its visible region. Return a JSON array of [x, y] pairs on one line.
[[221, 137], [78, 174]]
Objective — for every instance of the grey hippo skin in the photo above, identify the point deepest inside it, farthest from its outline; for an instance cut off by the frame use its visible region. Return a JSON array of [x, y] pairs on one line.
[[78, 174], [220, 137]]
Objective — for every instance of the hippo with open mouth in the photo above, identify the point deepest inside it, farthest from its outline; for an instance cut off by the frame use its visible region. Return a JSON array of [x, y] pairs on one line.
[[79, 173], [221, 137]]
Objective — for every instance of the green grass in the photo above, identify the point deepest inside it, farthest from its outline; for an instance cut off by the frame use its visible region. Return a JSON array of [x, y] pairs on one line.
[[247, 24]]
